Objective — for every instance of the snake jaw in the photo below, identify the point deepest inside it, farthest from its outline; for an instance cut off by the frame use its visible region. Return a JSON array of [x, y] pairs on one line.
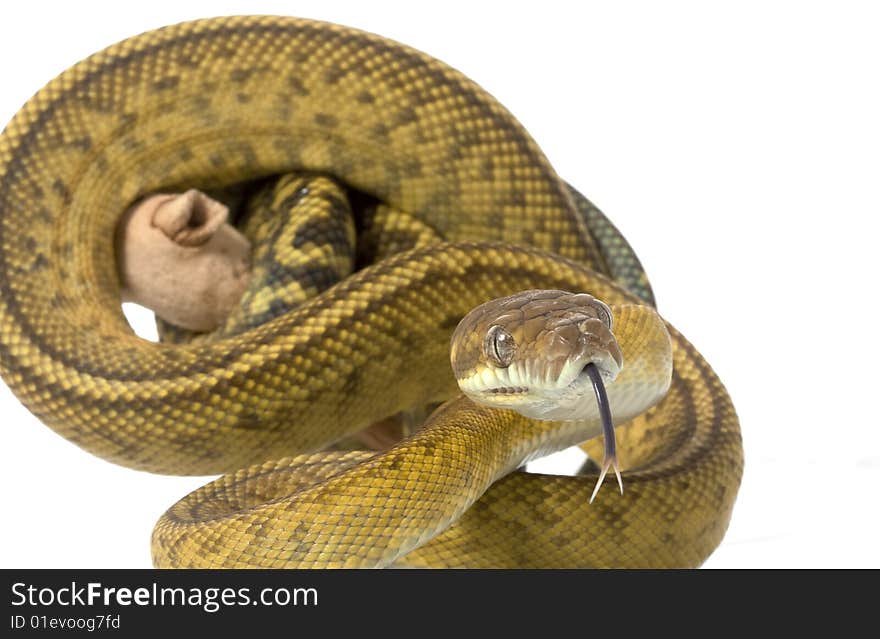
[[540, 394], [501, 388]]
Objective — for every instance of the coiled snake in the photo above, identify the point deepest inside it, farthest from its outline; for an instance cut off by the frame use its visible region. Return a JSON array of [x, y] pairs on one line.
[[223, 102]]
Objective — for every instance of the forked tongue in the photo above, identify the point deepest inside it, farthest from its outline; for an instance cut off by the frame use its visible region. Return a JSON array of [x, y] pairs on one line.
[[610, 460]]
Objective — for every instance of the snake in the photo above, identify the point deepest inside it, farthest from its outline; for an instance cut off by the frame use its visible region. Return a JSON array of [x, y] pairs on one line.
[[480, 256]]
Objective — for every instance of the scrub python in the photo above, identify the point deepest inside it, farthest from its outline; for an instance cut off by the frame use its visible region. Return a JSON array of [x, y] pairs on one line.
[[462, 208]]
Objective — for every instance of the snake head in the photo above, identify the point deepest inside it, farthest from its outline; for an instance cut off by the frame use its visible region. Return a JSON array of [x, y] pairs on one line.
[[529, 352]]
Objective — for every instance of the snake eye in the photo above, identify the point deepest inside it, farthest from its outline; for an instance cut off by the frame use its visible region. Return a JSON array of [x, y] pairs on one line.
[[499, 346]]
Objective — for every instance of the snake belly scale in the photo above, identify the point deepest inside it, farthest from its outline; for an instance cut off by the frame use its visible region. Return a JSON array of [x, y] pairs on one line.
[[219, 102]]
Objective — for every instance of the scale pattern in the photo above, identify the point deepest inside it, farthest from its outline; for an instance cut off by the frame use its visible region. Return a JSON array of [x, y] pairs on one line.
[[222, 102]]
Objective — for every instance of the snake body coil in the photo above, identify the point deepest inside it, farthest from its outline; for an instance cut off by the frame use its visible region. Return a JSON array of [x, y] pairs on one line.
[[220, 102]]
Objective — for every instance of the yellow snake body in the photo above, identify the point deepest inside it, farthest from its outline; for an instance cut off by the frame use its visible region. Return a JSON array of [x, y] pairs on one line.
[[220, 102]]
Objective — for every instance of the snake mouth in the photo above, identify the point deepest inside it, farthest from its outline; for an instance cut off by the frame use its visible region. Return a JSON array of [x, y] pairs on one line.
[[498, 387], [507, 390]]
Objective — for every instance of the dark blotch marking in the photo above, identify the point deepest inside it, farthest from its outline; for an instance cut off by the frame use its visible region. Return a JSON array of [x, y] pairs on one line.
[[127, 120], [334, 74], [365, 97], [487, 170], [560, 540], [319, 277], [130, 144], [413, 168], [171, 82], [293, 199], [517, 198], [327, 120], [495, 220], [454, 152], [102, 164], [240, 75], [61, 189], [406, 115], [201, 103], [339, 208], [83, 143], [39, 263], [380, 131], [323, 232], [57, 300], [310, 276], [297, 86]]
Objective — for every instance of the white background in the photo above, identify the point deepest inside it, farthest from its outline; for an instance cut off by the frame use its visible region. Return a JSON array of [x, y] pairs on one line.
[[736, 145]]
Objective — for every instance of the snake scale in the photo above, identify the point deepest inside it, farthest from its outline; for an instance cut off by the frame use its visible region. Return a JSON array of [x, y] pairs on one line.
[[219, 102]]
